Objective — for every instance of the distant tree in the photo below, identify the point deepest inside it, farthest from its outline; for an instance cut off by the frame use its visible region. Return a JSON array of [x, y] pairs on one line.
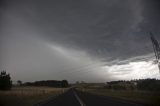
[[19, 82], [77, 82], [82, 82], [5, 81], [65, 83]]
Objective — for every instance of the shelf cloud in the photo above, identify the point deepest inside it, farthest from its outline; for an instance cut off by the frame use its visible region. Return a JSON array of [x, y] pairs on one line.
[[90, 40]]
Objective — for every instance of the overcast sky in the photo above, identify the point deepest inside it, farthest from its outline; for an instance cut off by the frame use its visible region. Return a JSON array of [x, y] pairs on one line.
[[78, 40]]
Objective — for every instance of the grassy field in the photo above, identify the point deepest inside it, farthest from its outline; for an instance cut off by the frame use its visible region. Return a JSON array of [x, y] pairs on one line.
[[27, 96], [144, 97]]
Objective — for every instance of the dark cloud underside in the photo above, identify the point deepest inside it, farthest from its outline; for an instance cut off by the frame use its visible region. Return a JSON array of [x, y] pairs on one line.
[[104, 28], [115, 30]]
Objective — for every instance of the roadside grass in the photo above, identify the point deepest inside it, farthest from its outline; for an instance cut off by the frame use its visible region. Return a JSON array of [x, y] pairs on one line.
[[144, 97], [27, 96]]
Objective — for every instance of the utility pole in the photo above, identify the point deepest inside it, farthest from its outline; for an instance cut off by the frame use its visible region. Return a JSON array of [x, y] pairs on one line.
[[156, 48]]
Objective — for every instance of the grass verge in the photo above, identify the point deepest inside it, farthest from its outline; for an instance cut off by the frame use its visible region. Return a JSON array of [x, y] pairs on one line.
[[144, 97], [27, 96]]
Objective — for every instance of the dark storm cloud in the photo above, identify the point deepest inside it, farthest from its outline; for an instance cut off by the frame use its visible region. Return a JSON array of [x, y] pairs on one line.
[[103, 28], [100, 27], [152, 15], [114, 31]]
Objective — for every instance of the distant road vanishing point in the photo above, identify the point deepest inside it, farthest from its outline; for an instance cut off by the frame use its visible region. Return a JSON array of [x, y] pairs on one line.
[[75, 98]]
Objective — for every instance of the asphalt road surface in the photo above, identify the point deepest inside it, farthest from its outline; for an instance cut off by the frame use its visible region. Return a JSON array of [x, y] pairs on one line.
[[75, 98]]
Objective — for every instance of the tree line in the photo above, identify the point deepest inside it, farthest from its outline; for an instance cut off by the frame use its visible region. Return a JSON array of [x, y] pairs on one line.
[[6, 82], [140, 84], [50, 83]]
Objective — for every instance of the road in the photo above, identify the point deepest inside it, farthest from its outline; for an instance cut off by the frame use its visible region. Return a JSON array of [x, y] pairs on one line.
[[75, 98]]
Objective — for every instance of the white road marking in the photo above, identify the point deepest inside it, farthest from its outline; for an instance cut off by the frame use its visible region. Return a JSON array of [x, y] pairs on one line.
[[79, 100]]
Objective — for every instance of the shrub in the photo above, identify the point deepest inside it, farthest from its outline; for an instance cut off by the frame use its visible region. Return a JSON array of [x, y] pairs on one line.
[[5, 81]]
